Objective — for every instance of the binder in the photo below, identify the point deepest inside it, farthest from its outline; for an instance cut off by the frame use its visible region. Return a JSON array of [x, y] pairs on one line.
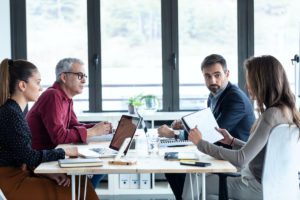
[[134, 181], [124, 181], [145, 181]]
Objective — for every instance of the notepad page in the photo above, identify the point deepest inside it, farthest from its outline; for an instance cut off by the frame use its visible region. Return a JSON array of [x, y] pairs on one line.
[[206, 123]]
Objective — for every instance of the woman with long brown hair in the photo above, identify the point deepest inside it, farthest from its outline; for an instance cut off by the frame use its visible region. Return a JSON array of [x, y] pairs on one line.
[[20, 83], [268, 85]]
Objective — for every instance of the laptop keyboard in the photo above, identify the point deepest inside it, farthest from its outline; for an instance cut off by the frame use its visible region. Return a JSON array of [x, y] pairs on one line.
[[170, 142], [102, 150]]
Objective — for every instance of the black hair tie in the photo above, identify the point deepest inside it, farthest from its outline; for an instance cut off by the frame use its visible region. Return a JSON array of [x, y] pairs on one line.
[[10, 62]]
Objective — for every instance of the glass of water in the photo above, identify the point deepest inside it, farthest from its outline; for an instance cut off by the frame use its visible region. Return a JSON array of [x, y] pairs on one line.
[[153, 145]]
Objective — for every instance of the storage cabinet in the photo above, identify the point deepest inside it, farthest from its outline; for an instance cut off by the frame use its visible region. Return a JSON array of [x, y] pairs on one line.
[[114, 186]]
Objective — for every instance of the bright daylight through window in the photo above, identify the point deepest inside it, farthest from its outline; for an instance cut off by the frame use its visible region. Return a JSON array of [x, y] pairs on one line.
[[131, 51], [205, 27], [57, 30]]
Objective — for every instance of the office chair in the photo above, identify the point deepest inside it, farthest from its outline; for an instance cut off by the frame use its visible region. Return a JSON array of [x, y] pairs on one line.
[[223, 191], [2, 197], [282, 162]]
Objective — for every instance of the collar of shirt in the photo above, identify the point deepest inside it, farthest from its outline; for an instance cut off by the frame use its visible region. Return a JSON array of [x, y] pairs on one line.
[[214, 98], [13, 104], [58, 87]]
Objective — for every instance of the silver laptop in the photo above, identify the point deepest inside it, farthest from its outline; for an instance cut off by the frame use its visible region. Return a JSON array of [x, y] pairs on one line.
[[126, 129]]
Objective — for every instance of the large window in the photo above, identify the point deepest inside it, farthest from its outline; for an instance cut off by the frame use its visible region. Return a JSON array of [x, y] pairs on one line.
[[129, 46], [205, 27], [56, 30], [131, 51], [277, 31]]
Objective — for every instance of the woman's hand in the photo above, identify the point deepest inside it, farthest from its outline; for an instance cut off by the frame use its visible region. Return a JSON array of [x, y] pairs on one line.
[[23, 167], [228, 139], [60, 179], [71, 151], [195, 135]]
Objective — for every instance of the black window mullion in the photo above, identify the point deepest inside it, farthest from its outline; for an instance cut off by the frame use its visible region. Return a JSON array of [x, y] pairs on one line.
[[245, 36], [169, 11], [94, 55], [18, 29]]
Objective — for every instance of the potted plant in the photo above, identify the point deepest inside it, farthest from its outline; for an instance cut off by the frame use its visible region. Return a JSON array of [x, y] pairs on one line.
[[150, 102], [133, 103]]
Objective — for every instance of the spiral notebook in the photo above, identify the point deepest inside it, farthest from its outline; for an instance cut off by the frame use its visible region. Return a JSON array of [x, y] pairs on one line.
[[171, 142]]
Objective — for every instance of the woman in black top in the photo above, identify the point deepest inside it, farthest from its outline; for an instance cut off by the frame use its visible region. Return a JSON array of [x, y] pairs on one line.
[[20, 83]]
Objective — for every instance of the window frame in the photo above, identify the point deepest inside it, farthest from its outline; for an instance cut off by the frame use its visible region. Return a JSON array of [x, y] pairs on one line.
[[170, 72]]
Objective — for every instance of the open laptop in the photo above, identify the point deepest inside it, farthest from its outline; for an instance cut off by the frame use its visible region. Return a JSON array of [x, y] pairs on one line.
[[126, 129]]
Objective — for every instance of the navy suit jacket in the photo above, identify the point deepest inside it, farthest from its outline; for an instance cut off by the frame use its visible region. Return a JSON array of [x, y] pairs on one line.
[[234, 112]]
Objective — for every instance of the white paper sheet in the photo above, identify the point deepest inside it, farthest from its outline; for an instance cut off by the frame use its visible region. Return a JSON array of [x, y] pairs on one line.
[[205, 122]]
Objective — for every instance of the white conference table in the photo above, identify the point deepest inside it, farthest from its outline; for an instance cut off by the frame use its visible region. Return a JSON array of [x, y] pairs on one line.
[[114, 117], [145, 164]]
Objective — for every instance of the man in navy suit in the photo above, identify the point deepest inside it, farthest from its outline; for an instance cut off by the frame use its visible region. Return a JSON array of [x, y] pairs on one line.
[[230, 105]]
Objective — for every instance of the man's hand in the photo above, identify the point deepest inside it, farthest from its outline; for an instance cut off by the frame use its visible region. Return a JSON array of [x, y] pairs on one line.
[[100, 128], [195, 136], [177, 125], [60, 179], [165, 131]]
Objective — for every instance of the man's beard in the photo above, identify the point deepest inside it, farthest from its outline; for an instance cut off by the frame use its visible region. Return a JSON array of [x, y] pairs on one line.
[[214, 88]]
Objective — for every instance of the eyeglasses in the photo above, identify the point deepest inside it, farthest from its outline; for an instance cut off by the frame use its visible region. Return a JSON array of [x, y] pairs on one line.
[[80, 75]]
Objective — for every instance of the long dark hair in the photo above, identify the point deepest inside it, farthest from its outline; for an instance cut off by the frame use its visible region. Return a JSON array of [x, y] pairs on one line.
[[268, 82], [11, 72]]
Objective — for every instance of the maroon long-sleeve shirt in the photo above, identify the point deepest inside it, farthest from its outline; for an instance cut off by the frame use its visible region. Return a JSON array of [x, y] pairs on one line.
[[52, 120]]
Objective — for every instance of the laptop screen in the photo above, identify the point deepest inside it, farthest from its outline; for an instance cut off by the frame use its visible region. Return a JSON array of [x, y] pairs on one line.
[[126, 128]]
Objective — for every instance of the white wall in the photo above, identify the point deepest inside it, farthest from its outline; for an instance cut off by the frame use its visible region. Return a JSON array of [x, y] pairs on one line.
[[5, 47]]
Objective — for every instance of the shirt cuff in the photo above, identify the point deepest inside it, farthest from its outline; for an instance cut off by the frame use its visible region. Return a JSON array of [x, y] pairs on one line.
[[179, 134], [82, 133]]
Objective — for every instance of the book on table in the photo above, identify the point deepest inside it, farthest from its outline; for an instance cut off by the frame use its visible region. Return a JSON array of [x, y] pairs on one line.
[[80, 162], [181, 156], [205, 121]]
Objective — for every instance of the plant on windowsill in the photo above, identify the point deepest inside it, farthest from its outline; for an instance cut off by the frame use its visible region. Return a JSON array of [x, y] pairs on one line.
[[133, 103], [150, 103]]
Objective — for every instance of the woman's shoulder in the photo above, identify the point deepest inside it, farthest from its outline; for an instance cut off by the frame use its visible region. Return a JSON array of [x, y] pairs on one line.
[[10, 107], [10, 113], [277, 115]]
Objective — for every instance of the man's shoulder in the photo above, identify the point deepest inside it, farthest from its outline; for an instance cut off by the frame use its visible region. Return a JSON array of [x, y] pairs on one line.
[[51, 93], [235, 91]]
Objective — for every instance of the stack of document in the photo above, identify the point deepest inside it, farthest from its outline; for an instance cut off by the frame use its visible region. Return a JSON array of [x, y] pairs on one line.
[[80, 162]]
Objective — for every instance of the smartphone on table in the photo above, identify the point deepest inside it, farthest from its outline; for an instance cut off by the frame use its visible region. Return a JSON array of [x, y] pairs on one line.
[[195, 163]]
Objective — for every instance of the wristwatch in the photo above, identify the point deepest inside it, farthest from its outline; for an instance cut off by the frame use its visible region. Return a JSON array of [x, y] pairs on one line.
[[176, 134]]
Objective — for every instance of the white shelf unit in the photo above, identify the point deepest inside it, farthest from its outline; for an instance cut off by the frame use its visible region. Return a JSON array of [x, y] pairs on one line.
[[112, 187]]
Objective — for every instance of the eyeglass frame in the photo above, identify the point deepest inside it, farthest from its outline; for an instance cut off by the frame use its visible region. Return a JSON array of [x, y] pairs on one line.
[[80, 75]]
